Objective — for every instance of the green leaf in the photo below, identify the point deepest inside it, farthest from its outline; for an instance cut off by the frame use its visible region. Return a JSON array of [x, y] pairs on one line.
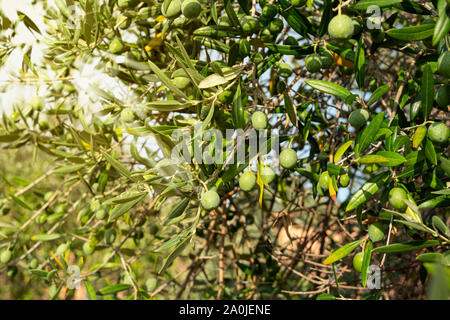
[[430, 257], [427, 90], [290, 49], [325, 296], [296, 19], [238, 110], [368, 134], [327, 15], [367, 190], [373, 158], [125, 197], [439, 225], [342, 252], [20, 202], [177, 210], [360, 63], [212, 81], [412, 224], [291, 111], [419, 32], [169, 105], [419, 135], [442, 26], [122, 208], [406, 246], [430, 152], [113, 289], [117, 165], [364, 4], [329, 87], [366, 262], [70, 169], [393, 158], [28, 22], [335, 170], [232, 14], [175, 253], [90, 290], [340, 152], [45, 237], [438, 288]]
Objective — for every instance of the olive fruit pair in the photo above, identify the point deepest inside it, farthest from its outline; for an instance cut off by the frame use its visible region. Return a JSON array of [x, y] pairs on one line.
[[247, 180], [181, 79]]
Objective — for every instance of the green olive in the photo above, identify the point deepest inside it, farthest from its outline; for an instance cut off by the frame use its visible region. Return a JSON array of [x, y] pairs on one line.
[[247, 181], [288, 158]]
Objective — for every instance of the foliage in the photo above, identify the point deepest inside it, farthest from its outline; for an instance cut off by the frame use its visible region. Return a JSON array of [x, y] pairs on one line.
[[91, 193]]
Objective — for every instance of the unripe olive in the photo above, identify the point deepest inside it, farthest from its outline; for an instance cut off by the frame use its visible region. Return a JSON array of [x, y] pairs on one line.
[[344, 180], [244, 47], [257, 57], [182, 82], [266, 35], [191, 8], [371, 167], [226, 97], [88, 249], [443, 64], [154, 229], [341, 27], [210, 200], [123, 21], [358, 118], [43, 125], [396, 197], [358, 261], [5, 256], [327, 59], [62, 248], [36, 103], [324, 180], [116, 46], [249, 24], [247, 181], [288, 158], [100, 214], [269, 11], [33, 263], [313, 63], [438, 132], [259, 120], [151, 284], [127, 115], [298, 3], [173, 10], [276, 26], [110, 236], [267, 174], [284, 70], [443, 96], [290, 41], [376, 232]]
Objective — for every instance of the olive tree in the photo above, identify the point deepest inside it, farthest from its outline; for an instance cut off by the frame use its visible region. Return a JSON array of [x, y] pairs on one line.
[[226, 149]]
